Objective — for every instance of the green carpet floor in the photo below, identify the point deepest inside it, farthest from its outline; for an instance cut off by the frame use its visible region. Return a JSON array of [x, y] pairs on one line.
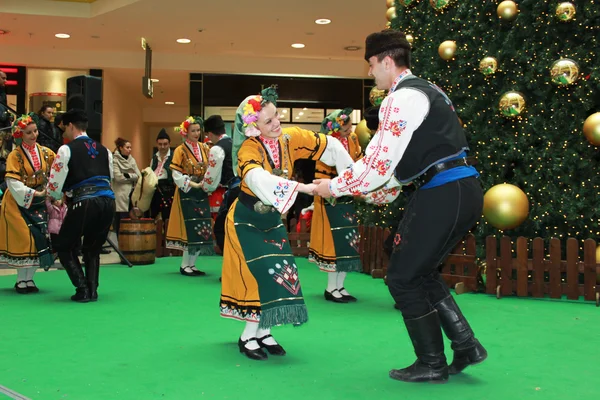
[[155, 334]]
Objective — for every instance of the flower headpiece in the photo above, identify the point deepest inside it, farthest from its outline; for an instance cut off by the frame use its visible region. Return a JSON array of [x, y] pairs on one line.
[[335, 120], [252, 108], [21, 124], [185, 125]]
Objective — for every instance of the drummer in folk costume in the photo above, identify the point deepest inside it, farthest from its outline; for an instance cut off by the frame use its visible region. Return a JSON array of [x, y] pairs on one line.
[[24, 237], [260, 278], [334, 232], [190, 228]]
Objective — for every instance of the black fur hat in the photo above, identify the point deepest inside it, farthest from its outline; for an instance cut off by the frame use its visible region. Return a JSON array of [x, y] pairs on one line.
[[389, 39], [214, 124], [163, 135]]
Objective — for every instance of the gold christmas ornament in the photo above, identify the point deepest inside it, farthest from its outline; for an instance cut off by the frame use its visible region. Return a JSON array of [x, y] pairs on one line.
[[390, 14], [410, 39], [505, 206], [363, 133], [447, 49], [488, 66], [512, 104], [389, 3], [507, 10], [376, 96], [388, 25], [565, 12], [591, 129], [439, 5], [564, 72]]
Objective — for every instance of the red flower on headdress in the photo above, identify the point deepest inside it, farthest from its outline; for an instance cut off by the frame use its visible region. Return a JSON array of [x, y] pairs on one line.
[[255, 105]]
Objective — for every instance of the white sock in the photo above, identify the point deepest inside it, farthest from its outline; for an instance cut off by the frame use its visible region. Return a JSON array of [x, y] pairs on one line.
[[332, 284], [341, 277], [184, 259], [21, 277], [250, 331], [264, 332], [30, 272], [192, 262]]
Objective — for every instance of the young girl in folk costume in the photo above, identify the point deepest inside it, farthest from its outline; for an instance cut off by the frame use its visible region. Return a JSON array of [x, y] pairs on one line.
[[260, 283], [334, 231], [24, 240], [190, 226]]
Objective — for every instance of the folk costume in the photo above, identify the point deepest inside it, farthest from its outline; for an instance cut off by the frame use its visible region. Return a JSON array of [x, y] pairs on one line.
[[220, 168], [421, 141], [190, 228], [334, 230], [83, 169], [260, 282], [24, 237], [162, 199]]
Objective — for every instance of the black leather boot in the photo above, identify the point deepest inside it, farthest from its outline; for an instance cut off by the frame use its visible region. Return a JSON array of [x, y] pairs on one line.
[[467, 349], [92, 271], [75, 272], [426, 335]]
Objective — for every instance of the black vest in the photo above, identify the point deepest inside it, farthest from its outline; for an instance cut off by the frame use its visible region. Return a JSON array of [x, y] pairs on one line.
[[227, 172], [166, 166], [439, 136], [88, 159]]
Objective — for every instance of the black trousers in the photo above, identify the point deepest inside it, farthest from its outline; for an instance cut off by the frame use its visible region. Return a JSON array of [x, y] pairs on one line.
[[434, 221], [162, 201], [219, 228], [90, 219]]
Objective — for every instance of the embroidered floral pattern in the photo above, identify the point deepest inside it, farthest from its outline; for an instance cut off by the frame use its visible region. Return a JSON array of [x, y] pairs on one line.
[[281, 191], [382, 166], [397, 127], [272, 146], [287, 276], [277, 244], [353, 239], [57, 166]]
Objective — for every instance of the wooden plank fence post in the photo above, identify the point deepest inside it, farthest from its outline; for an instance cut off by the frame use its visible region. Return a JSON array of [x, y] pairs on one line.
[[555, 260], [537, 289], [522, 270], [506, 266], [491, 255], [590, 271], [572, 269]]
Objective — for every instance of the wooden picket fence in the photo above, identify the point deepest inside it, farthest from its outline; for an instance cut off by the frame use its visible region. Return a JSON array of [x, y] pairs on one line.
[[299, 241], [539, 275]]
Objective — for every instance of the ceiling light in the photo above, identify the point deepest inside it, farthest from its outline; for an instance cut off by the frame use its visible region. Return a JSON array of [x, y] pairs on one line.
[[298, 45], [352, 48], [300, 113], [62, 35], [154, 80], [183, 40], [297, 117], [169, 103], [284, 111], [323, 21]]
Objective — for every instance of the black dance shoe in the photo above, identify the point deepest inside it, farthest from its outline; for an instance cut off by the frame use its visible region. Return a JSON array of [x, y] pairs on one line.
[[32, 289], [347, 297], [273, 349], [330, 297], [21, 290], [258, 354]]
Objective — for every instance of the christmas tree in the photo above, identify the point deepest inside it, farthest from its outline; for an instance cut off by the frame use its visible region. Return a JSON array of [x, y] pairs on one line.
[[523, 76]]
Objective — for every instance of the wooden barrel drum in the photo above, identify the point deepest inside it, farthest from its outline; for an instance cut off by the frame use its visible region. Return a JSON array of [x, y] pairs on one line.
[[137, 240]]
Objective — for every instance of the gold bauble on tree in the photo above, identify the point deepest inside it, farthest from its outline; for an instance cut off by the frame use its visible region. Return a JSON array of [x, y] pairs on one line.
[[447, 50], [376, 96], [564, 72], [508, 10], [488, 66], [512, 104], [439, 5], [363, 133], [390, 14], [410, 39], [505, 206], [565, 12], [389, 3], [388, 25], [591, 129]]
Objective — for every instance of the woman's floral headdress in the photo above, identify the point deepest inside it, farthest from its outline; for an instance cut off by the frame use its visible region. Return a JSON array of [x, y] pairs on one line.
[[21, 124], [185, 125], [252, 108], [335, 120]]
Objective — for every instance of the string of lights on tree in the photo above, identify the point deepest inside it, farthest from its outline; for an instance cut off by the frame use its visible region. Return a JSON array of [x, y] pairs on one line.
[[524, 77]]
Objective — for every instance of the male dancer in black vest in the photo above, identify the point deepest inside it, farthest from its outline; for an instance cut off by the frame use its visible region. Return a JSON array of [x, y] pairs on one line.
[[220, 154], [83, 170], [162, 200], [419, 141]]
